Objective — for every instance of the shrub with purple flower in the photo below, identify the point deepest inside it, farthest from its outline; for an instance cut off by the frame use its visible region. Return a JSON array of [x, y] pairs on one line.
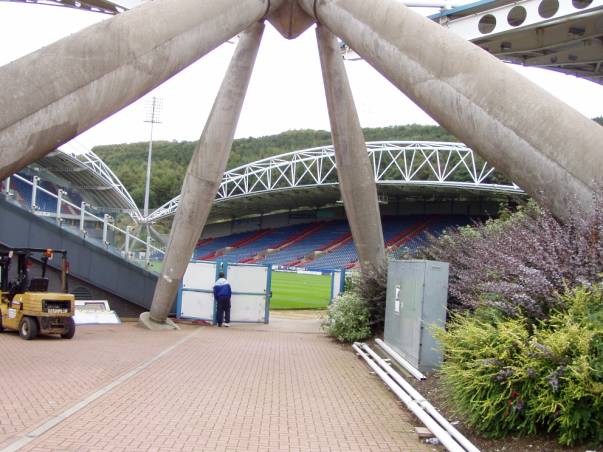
[[519, 263]]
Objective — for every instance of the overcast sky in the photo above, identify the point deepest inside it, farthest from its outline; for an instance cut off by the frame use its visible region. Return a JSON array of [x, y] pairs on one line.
[[286, 90]]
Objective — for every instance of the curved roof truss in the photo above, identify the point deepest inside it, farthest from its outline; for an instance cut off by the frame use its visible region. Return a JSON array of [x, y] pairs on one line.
[[422, 164], [92, 178]]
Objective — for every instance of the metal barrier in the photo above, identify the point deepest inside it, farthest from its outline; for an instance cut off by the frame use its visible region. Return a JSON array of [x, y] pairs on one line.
[[126, 242]]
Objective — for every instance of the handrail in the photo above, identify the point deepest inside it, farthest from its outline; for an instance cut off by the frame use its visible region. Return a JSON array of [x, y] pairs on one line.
[[131, 239]]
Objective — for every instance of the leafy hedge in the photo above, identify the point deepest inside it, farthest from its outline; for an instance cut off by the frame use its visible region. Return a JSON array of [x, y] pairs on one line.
[[348, 318], [519, 263], [359, 312], [508, 376]]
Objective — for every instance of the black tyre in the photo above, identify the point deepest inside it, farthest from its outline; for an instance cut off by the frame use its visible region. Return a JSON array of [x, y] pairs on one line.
[[1, 326], [28, 328], [69, 328]]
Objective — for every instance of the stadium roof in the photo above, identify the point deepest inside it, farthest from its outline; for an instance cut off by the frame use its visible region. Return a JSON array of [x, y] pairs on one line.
[[308, 179], [88, 175]]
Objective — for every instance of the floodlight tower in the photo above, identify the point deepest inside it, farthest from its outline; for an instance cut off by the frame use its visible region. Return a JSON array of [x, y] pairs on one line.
[[153, 110]]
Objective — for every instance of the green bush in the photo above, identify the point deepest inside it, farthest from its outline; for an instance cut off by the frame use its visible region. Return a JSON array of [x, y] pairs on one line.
[[508, 375], [348, 318]]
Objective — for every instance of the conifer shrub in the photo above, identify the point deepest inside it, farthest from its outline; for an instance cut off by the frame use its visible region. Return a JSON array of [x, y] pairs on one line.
[[509, 376]]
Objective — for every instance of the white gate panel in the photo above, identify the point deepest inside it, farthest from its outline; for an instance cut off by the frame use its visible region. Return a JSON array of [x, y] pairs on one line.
[[199, 275], [247, 308], [247, 278], [249, 286], [197, 305]]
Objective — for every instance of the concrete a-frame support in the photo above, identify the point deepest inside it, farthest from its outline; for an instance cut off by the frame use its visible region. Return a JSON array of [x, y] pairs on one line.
[[59, 91], [354, 170], [549, 149], [204, 175]]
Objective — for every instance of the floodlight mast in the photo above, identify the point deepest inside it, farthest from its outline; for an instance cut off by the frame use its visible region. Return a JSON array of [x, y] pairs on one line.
[[153, 113]]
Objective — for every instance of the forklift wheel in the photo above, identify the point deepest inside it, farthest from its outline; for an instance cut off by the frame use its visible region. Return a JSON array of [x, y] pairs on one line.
[[1, 327], [28, 328], [69, 328]]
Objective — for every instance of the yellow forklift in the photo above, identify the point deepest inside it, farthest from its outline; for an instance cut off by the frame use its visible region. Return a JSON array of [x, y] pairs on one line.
[[25, 303]]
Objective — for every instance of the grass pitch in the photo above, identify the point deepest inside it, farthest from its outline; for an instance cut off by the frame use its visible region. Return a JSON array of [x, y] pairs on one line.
[[299, 291]]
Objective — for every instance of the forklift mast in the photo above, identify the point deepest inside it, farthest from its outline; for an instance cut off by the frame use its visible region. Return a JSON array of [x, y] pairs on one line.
[[21, 283]]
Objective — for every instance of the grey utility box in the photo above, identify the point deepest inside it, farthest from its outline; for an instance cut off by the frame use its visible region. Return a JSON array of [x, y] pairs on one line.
[[417, 292]]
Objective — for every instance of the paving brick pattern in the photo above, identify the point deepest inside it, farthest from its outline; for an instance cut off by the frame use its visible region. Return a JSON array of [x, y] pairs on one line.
[[45, 376], [281, 387]]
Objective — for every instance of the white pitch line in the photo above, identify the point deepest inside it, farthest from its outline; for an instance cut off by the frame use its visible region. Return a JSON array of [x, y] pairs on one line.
[[26, 438]]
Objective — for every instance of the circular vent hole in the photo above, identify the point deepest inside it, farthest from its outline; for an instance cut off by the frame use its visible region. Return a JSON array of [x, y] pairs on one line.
[[517, 16], [548, 8], [487, 24], [581, 4]]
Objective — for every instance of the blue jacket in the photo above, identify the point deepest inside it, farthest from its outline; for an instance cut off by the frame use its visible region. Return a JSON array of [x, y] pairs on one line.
[[222, 290]]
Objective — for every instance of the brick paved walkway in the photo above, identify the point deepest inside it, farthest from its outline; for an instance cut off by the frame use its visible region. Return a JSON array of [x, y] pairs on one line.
[[282, 386]]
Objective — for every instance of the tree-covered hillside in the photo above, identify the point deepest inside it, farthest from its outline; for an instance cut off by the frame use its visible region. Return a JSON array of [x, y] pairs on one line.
[[170, 158]]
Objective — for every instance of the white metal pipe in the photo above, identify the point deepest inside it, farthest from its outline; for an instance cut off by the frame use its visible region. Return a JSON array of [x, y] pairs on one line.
[[83, 218], [447, 441], [128, 228], [409, 367], [148, 249], [34, 192], [7, 186], [416, 395], [105, 229], [59, 205]]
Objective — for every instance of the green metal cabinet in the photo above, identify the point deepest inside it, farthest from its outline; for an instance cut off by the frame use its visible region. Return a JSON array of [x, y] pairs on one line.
[[417, 292]]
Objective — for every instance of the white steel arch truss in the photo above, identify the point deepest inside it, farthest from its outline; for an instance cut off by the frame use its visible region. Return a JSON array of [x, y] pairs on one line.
[[88, 171], [94, 163], [418, 163]]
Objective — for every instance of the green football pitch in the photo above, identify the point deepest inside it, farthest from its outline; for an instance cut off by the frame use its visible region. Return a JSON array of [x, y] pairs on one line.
[[300, 291]]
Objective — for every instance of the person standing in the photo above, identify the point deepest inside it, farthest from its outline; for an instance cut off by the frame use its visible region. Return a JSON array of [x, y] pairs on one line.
[[222, 293]]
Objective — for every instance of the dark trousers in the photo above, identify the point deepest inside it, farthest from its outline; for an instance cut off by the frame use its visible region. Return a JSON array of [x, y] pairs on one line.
[[223, 311]]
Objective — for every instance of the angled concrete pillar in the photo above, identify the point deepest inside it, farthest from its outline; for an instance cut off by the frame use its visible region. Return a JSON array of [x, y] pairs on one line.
[[59, 91], [354, 170], [204, 175], [549, 149]]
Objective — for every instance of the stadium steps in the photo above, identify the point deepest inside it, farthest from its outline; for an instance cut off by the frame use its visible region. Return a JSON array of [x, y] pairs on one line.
[[285, 244], [238, 244], [204, 242], [408, 234], [328, 248], [405, 236]]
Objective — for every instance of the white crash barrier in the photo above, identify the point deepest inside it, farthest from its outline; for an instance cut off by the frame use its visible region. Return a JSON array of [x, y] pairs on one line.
[[94, 312]]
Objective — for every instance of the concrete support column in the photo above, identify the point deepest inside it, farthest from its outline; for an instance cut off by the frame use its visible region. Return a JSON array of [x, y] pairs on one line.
[[549, 149], [356, 178], [59, 91], [204, 175]]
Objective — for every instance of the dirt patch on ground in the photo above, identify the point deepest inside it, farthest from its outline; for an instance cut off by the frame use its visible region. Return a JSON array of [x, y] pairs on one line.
[[299, 314]]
